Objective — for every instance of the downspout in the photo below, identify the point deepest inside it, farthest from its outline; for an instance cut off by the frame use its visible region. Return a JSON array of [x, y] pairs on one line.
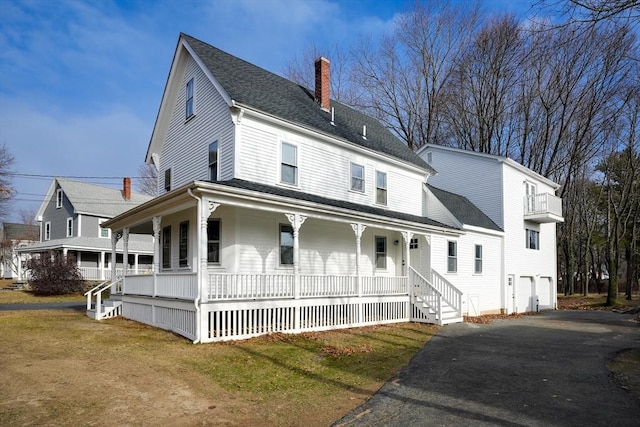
[[199, 271]]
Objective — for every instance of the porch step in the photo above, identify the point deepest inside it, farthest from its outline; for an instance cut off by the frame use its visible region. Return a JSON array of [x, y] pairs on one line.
[[109, 308]]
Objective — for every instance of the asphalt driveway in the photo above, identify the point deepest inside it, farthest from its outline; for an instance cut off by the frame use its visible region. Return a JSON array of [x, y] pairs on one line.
[[543, 370]]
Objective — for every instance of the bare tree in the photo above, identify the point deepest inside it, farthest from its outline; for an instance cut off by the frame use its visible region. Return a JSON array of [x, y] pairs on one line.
[[6, 182], [403, 78], [147, 180], [27, 216], [594, 11]]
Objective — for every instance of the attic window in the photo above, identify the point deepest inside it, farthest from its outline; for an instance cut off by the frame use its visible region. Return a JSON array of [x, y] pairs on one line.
[[59, 198], [167, 179], [189, 99], [429, 157]]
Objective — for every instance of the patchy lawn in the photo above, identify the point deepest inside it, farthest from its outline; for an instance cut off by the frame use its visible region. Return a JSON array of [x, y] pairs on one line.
[[62, 368], [12, 296]]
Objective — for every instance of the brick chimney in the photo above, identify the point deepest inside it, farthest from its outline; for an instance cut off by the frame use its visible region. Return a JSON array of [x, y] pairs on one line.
[[126, 188], [322, 83]]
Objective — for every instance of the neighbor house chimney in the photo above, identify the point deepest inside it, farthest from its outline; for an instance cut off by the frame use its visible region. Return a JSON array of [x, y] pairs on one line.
[[126, 188], [322, 82]]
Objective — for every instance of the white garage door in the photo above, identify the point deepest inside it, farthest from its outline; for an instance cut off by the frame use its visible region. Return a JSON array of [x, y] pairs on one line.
[[545, 291], [525, 300]]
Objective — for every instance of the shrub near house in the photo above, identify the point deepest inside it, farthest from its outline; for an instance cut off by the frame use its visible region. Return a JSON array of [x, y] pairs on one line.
[[54, 275]]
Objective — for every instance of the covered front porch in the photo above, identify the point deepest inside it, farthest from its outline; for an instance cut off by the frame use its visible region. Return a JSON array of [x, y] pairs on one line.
[[254, 266]]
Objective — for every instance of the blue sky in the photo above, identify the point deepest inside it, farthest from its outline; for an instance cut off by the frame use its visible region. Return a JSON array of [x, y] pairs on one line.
[[81, 81]]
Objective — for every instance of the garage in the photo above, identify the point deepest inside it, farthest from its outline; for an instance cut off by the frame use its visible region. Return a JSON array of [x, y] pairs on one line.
[[524, 298]]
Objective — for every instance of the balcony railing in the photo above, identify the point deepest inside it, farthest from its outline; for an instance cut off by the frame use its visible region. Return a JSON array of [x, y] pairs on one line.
[[543, 208]]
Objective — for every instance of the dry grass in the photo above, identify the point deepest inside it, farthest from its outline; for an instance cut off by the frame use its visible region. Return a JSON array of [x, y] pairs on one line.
[[62, 368]]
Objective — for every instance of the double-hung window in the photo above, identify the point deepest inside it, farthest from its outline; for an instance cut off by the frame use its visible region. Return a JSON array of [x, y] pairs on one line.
[[183, 256], [47, 230], [532, 239], [189, 99], [213, 161], [381, 188], [70, 227], [286, 244], [167, 179], [381, 252], [166, 247], [477, 268], [104, 233], [289, 165], [58, 198], [357, 177], [213, 241], [452, 257]]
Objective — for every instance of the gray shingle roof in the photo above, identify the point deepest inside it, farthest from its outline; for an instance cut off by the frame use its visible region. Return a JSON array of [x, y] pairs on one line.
[[98, 200], [299, 195], [255, 87], [465, 211], [90, 244]]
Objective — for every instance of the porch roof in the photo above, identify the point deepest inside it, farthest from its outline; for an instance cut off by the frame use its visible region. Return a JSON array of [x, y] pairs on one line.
[[465, 211], [89, 244]]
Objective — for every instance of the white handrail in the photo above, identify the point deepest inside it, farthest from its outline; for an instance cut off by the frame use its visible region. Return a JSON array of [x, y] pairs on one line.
[[97, 292]]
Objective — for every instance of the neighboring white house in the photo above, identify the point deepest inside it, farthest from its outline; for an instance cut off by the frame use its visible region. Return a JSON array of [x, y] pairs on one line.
[[69, 221], [523, 204], [281, 210], [13, 237]]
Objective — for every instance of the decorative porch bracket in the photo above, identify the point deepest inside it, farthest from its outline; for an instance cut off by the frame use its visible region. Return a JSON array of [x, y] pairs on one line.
[[296, 221]]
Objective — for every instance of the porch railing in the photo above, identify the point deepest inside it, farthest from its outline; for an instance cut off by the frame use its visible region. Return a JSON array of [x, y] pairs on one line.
[[543, 203], [97, 273], [178, 285], [451, 294]]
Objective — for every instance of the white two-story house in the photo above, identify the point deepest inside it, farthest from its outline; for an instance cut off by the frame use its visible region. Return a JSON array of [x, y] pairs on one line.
[[69, 220], [523, 204], [281, 210]]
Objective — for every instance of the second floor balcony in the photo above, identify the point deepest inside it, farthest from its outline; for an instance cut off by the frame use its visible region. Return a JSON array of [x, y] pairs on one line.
[[543, 208]]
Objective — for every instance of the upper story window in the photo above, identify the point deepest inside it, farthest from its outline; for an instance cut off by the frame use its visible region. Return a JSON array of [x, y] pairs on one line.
[[381, 188], [166, 247], [69, 227], [532, 238], [452, 257], [189, 99], [413, 243], [47, 230], [381, 252], [213, 241], [477, 267], [167, 179], [104, 233], [286, 244], [357, 177], [289, 166], [58, 198], [531, 191], [183, 252], [213, 161]]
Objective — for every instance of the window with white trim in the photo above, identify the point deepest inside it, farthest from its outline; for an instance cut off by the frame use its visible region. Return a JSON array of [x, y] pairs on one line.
[[70, 227], [104, 233], [189, 99], [213, 161], [213, 241], [357, 177], [477, 266], [381, 252], [413, 243], [452, 257], [532, 239], [286, 244], [381, 188], [58, 198], [183, 244], [289, 164], [167, 179], [47, 230], [166, 247]]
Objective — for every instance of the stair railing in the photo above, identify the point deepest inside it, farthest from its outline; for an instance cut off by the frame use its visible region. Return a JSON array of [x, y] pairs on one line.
[[97, 293], [451, 294]]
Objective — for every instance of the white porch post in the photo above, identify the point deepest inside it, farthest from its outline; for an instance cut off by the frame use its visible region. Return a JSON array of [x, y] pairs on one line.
[[207, 208], [125, 251], [101, 265], [19, 266], [407, 236], [358, 229], [114, 240], [296, 221], [156, 250], [135, 263], [65, 251]]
